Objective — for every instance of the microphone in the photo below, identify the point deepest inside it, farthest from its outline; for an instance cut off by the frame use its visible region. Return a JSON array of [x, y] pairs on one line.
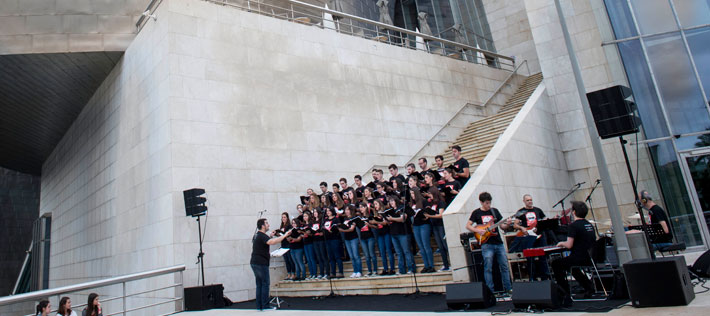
[[599, 181], [580, 184]]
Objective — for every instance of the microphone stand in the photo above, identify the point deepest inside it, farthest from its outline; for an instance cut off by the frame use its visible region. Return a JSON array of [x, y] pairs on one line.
[[562, 201], [589, 199], [404, 222]]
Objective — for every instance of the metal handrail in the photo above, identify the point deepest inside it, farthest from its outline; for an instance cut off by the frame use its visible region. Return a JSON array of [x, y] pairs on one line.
[[402, 30], [152, 5], [495, 92], [36, 295]]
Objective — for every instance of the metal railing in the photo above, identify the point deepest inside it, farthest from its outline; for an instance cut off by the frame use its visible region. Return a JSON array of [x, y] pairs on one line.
[[490, 98], [45, 294], [309, 14]]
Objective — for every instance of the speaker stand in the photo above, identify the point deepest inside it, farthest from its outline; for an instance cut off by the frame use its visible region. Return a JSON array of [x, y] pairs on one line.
[[636, 196]]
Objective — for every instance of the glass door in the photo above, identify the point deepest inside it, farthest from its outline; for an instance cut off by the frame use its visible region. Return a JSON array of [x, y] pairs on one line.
[[696, 169]]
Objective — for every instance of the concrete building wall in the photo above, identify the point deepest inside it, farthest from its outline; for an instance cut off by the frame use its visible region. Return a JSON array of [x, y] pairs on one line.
[[251, 108], [601, 68], [510, 29], [53, 26], [526, 159]]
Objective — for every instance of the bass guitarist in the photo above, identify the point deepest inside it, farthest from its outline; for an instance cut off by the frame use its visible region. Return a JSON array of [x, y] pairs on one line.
[[480, 221]]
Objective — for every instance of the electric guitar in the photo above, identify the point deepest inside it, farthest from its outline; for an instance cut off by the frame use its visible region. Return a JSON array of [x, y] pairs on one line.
[[490, 228]]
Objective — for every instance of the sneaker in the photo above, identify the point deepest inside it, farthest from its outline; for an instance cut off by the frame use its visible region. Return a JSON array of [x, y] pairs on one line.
[[358, 275], [437, 250], [509, 293], [444, 269], [352, 275], [392, 272], [397, 273], [369, 274], [340, 275], [384, 272]]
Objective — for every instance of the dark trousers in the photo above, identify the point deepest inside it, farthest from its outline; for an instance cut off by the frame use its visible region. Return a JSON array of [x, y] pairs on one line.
[[562, 265], [261, 274], [290, 266]]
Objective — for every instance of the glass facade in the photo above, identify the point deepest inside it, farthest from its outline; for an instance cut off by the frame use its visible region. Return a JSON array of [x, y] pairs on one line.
[[665, 49]]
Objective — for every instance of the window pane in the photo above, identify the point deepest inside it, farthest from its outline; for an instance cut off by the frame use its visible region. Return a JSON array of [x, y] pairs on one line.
[[677, 201], [690, 142], [620, 17], [654, 16], [699, 42], [654, 125], [692, 12], [676, 80]]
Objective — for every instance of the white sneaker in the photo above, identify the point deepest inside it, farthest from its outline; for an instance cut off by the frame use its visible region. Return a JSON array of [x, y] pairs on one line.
[[353, 275], [358, 275]]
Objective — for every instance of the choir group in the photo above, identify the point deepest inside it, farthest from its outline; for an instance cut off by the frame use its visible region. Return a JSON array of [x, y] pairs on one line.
[[395, 216]]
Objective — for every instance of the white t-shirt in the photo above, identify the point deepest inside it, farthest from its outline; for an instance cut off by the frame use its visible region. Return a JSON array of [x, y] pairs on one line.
[[73, 313]]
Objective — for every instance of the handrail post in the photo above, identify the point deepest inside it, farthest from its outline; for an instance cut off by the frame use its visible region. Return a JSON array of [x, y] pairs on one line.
[[124, 298]]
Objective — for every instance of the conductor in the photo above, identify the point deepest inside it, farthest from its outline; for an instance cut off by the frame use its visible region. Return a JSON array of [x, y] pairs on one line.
[[260, 261]]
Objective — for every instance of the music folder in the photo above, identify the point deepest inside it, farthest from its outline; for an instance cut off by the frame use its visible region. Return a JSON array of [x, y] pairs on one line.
[[279, 252]]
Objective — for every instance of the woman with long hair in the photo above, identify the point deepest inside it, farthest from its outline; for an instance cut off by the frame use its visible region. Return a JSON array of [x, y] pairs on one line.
[[338, 202], [384, 240], [333, 242], [368, 196], [352, 241], [313, 202], [324, 201], [319, 245], [308, 245], [368, 240], [93, 306], [43, 308], [296, 243], [286, 226], [399, 236], [64, 308], [421, 228], [436, 202]]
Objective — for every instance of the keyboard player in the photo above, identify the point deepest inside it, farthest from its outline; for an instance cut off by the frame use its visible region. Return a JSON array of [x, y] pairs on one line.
[[580, 238]]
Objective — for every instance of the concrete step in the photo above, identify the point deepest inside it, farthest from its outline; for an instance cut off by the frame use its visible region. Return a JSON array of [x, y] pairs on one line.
[[378, 285]]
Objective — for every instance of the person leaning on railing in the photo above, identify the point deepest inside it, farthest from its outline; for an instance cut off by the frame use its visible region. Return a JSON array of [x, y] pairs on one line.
[[93, 306], [43, 308]]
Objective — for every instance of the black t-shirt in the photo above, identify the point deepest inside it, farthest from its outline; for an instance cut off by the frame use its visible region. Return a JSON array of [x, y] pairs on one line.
[[419, 219], [260, 249], [284, 242], [460, 165], [481, 217], [658, 215], [398, 176], [530, 217], [353, 234], [431, 203], [583, 233], [446, 187], [330, 229], [397, 228], [366, 232]]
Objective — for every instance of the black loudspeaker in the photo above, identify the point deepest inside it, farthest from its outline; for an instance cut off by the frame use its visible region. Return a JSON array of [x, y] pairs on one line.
[[200, 298], [541, 294], [660, 282], [475, 294], [701, 267], [195, 202], [613, 112]]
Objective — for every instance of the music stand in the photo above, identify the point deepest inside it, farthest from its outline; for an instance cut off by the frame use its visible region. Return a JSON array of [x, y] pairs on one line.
[[278, 253]]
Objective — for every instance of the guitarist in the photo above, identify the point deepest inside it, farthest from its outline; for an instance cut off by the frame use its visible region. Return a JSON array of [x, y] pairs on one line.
[[529, 237], [479, 222]]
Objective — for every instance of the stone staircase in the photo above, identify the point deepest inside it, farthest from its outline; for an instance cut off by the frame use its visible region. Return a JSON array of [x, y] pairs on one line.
[[475, 141], [480, 136]]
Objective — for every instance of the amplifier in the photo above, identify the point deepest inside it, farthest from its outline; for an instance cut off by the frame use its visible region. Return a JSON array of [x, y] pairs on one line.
[[200, 298]]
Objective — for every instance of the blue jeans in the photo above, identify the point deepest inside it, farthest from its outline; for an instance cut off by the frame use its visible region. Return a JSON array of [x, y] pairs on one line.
[[422, 235], [439, 236], [660, 245], [401, 246], [368, 248], [334, 255], [290, 267], [321, 257], [261, 274], [354, 251], [490, 251], [297, 257], [311, 258], [384, 243]]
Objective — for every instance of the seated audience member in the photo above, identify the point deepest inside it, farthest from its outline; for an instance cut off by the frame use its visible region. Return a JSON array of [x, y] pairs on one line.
[[93, 306], [65, 307]]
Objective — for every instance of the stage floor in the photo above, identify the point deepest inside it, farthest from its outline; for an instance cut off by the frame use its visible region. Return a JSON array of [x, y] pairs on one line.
[[436, 306]]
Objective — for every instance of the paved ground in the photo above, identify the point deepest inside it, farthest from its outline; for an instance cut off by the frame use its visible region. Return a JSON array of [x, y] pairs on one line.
[[699, 306]]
